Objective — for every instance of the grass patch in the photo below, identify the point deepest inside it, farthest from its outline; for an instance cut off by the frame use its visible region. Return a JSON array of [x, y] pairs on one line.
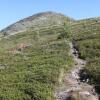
[[30, 64]]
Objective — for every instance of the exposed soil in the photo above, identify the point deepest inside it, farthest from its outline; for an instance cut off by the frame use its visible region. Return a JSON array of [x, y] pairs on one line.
[[71, 88]]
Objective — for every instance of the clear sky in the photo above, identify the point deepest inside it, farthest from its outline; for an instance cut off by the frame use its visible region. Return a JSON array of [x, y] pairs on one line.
[[14, 10]]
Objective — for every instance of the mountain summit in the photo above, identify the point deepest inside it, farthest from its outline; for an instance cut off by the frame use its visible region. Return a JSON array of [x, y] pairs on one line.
[[45, 19]]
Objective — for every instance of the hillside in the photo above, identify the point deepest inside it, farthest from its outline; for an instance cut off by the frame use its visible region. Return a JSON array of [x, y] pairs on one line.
[[30, 65], [35, 55], [87, 42], [31, 60], [37, 21]]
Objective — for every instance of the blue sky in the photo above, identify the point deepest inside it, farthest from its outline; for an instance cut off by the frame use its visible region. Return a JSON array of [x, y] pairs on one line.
[[14, 10]]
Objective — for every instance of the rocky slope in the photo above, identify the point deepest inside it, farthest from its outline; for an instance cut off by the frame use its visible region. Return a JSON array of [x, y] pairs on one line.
[[73, 88], [37, 21]]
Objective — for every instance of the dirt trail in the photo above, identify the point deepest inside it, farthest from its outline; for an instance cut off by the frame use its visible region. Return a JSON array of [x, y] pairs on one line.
[[71, 88]]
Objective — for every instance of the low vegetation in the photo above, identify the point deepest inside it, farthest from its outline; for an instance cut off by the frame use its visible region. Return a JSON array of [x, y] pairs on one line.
[[87, 42], [31, 61], [30, 64]]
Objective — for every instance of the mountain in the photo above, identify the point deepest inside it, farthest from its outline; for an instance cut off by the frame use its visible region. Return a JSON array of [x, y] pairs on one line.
[[37, 21], [36, 56]]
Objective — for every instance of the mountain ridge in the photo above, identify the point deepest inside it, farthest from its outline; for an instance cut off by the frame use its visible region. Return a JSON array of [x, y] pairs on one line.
[[40, 20], [44, 19]]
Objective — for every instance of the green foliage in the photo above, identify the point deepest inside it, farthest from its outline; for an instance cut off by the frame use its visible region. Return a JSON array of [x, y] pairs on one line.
[[88, 45], [32, 72], [66, 33]]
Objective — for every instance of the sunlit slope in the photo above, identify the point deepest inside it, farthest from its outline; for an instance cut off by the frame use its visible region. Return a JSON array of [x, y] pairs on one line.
[[86, 37], [30, 64], [37, 21]]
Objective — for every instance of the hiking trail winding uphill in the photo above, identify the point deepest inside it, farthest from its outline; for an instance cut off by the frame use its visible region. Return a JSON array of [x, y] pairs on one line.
[[71, 88]]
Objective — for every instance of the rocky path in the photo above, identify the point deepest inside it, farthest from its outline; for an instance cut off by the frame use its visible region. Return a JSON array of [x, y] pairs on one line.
[[71, 88]]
